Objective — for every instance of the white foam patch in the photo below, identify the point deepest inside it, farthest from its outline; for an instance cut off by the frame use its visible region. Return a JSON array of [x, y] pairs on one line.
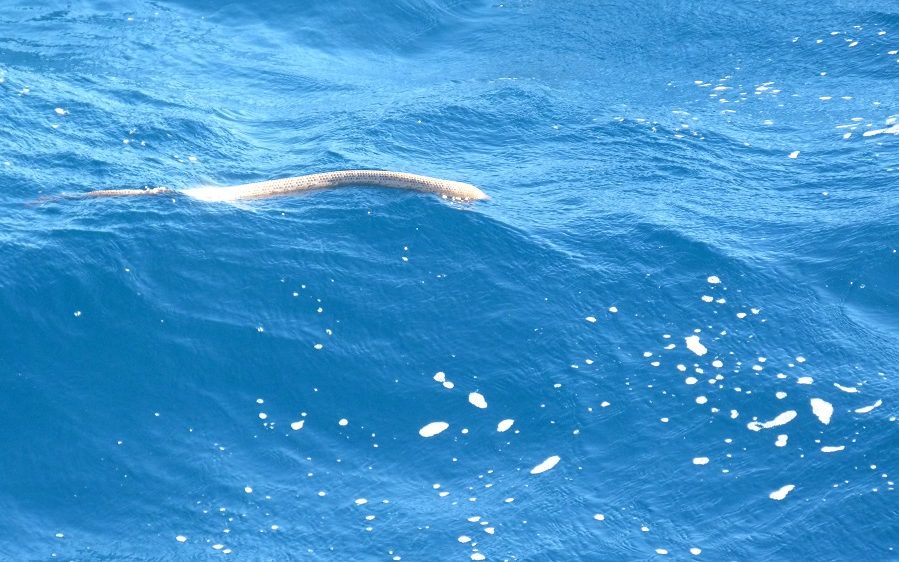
[[433, 429], [849, 389], [781, 440], [894, 130], [477, 400], [695, 346], [805, 380], [713, 280], [781, 419], [297, 425], [504, 425], [548, 464], [823, 409], [213, 194], [866, 409], [832, 448], [781, 492]]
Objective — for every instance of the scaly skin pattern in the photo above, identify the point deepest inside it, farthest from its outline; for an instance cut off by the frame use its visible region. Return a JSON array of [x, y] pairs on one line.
[[446, 189], [126, 192]]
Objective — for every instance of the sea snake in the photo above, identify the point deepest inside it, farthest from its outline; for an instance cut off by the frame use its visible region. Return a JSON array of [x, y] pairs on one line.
[[446, 189]]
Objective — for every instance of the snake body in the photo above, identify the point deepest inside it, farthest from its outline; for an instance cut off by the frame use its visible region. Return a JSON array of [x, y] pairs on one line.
[[446, 189]]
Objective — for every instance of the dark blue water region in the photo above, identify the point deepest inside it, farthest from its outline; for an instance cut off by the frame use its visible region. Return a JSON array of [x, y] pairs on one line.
[[671, 333]]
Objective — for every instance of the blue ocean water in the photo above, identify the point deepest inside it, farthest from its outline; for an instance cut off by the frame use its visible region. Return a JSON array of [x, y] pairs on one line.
[[683, 294]]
